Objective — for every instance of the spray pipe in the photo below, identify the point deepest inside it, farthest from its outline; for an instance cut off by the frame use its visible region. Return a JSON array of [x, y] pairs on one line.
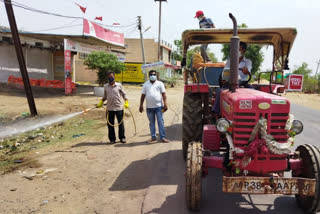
[[134, 122]]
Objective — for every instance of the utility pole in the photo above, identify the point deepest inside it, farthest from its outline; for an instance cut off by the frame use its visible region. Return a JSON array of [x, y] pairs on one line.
[[141, 38], [142, 47], [22, 63], [159, 35]]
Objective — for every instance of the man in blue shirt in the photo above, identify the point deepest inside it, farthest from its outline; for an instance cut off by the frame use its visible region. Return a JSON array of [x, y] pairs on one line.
[[204, 23]]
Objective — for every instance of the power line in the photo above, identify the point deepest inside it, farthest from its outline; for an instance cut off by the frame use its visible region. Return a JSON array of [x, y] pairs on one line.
[[70, 24], [119, 26], [58, 28], [130, 32], [16, 4]]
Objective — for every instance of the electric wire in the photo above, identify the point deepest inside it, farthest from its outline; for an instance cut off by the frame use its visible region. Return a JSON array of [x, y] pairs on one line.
[[70, 24], [119, 26], [58, 28], [17, 4]]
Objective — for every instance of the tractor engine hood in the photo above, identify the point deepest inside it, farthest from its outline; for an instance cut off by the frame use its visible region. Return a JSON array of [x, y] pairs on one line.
[[245, 107]]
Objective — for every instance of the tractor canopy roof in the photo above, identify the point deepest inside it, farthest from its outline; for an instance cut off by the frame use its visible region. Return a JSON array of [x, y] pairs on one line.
[[280, 38]]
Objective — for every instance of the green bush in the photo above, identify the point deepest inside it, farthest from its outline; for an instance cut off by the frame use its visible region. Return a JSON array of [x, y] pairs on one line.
[[104, 62], [310, 85]]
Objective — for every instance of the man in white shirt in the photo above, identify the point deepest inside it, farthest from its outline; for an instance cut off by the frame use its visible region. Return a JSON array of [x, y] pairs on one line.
[[245, 65], [154, 92]]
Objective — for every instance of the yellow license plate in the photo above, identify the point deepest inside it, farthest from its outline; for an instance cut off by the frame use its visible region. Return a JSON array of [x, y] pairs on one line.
[[268, 185]]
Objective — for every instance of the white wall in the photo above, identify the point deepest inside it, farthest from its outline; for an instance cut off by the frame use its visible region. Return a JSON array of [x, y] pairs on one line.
[[38, 61], [165, 55]]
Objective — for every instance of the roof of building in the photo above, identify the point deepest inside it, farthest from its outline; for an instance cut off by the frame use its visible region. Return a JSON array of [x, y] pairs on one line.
[[59, 39]]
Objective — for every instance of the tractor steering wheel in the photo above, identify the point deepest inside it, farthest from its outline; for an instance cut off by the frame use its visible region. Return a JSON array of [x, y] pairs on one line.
[[243, 83]]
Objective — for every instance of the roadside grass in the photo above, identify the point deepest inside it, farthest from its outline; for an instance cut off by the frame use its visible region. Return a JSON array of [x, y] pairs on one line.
[[21, 150]]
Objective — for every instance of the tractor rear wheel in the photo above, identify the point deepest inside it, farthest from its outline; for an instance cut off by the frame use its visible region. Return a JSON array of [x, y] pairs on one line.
[[193, 176], [310, 156], [191, 120]]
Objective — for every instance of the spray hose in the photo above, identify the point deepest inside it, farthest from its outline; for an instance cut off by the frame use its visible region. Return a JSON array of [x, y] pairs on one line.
[[116, 125]]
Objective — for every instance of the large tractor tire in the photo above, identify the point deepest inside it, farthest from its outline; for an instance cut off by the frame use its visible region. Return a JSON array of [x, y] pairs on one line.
[[193, 176], [191, 120], [311, 169]]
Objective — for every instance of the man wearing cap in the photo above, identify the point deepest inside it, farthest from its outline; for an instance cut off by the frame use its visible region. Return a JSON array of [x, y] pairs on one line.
[[204, 23]]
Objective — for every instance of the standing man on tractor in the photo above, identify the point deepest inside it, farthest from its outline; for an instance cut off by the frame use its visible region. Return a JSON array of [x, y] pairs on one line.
[[204, 23], [154, 92], [113, 92]]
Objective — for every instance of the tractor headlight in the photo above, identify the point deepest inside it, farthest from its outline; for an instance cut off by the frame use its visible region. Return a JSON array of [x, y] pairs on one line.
[[297, 126], [223, 125]]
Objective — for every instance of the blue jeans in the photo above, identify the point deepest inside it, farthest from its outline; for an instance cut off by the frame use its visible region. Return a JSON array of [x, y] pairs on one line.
[[152, 113]]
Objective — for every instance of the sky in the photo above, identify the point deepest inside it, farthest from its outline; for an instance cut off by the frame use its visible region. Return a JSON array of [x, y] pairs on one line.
[[178, 15]]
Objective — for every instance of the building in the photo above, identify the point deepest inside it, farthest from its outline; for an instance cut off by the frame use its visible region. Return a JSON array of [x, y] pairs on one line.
[[45, 54], [134, 52], [134, 55]]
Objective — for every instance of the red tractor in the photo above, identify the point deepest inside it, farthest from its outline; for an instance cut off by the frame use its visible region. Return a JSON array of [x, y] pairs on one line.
[[251, 139]]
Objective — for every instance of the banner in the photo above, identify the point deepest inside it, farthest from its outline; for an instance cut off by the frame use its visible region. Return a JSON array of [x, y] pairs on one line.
[[95, 30], [153, 66], [133, 73], [294, 82]]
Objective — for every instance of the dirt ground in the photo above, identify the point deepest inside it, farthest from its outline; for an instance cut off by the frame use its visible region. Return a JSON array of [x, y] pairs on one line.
[[308, 100], [85, 174]]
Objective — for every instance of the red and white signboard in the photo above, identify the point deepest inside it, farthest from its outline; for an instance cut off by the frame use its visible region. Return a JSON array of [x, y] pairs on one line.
[[95, 30], [294, 82], [67, 70]]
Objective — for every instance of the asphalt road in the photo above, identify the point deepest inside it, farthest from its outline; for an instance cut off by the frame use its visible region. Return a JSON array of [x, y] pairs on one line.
[[165, 193]]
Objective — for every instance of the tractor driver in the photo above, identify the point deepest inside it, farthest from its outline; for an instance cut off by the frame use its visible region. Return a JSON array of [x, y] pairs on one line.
[[245, 66]]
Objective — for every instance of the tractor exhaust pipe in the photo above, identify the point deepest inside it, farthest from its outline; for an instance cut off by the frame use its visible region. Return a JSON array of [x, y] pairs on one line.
[[234, 56]]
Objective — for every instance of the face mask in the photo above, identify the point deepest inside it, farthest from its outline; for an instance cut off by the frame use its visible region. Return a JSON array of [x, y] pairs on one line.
[[153, 77], [111, 79], [200, 18], [240, 54]]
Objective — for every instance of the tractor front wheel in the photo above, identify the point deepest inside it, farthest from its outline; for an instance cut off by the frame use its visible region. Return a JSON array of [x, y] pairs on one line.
[[193, 176], [191, 120], [310, 156]]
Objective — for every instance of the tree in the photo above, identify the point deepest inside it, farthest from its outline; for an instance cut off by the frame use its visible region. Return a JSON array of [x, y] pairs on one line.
[[104, 62], [253, 53], [177, 54], [303, 70]]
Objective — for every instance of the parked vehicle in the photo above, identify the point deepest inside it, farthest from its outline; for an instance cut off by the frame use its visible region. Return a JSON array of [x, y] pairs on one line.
[[251, 140]]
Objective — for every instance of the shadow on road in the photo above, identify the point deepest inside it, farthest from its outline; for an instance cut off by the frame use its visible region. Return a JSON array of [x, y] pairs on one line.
[[167, 169], [173, 133], [92, 144]]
